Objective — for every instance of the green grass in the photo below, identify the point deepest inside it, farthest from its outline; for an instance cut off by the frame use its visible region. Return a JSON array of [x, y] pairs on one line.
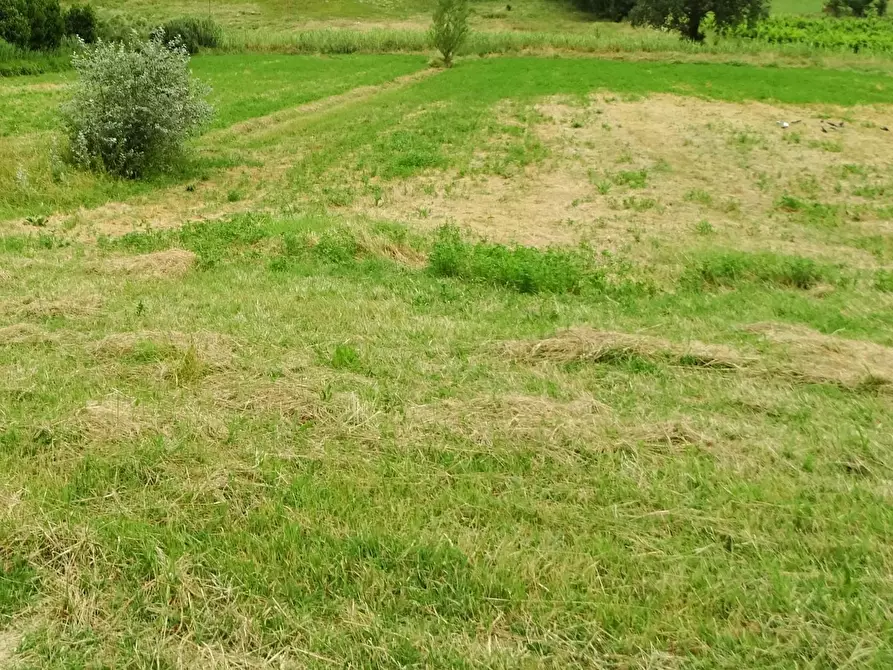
[[385, 485], [345, 436], [796, 7]]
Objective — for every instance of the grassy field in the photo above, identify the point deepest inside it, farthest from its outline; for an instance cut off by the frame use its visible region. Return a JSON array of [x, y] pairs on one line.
[[534, 362]]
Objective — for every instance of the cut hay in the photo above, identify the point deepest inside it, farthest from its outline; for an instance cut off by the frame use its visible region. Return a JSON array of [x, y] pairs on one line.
[[113, 418], [666, 435], [293, 399], [62, 307], [214, 350], [485, 419], [10, 640], [23, 333], [584, 344], [285, 396], [814, 357], [167, 264]]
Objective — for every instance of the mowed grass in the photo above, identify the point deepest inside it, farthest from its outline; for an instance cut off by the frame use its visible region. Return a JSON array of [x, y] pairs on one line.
[[279, 14], [34, 179], [441, 135], [325, 436], [301, 451]]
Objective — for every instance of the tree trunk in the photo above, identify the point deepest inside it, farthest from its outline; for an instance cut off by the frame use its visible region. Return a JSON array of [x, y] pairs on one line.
[[693, 29]]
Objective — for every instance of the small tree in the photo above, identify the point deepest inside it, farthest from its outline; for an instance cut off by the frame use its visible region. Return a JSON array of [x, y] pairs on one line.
[[134, 107], [449, 28], [14, 26], [80, 21], [686, 16]]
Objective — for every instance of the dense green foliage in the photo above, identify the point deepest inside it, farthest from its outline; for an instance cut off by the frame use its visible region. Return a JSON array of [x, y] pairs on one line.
[[81, 21], [612, 10], [687, 16], [35, 24], [47, 24], [857, 8], [851, 34], [14, 26], [193, 33]]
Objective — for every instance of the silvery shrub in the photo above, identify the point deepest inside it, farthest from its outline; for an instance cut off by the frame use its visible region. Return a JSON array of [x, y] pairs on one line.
[[134, 107]]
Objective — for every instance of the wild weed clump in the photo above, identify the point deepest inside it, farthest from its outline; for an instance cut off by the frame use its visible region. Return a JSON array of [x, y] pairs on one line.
[[134, 106], [732, 268], [525, 269]]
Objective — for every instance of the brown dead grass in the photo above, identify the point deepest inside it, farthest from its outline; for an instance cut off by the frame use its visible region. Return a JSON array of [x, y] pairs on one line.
[[214, 350], [167, 264], [484, 420], [285, 396], [735, 152], [666, 435], [582, 343], [9, 643], [35, 308], [113, 418], [815, 357], [23, 333]]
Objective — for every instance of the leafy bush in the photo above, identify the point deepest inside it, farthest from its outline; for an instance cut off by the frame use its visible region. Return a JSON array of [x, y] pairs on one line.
[[80, 21], [611, 10], [47, 24], [449, 28], [193, 33], [133, 107], [14, 25], [688, 16], [850, 34]]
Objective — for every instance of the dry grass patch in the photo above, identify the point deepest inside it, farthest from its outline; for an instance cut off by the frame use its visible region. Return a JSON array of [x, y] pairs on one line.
[[167, 264], [815, 357], [286, 396], [24, 333], [584, 344], [512, 416], [35, 308], [9, 643], [214, 350], [666, 435], [720, 162], [113, 418]]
